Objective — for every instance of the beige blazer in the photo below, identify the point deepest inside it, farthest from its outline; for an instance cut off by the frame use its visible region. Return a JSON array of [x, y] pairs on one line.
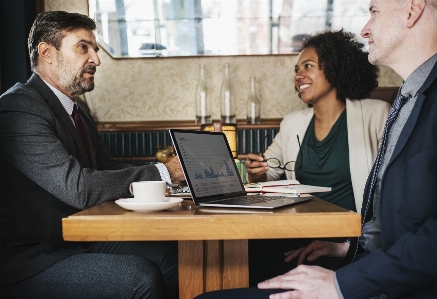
[[365, 122]]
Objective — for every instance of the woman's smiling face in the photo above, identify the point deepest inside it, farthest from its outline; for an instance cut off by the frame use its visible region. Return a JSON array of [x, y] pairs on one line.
[[310, 80]]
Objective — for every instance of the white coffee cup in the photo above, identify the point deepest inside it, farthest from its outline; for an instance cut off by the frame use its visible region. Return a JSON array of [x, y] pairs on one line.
[[148, 191]]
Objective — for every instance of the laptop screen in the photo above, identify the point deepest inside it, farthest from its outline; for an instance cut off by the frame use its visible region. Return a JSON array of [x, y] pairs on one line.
[[208, 165]]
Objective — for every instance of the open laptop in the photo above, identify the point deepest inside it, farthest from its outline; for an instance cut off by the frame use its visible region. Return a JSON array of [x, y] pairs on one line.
[[212, 175]]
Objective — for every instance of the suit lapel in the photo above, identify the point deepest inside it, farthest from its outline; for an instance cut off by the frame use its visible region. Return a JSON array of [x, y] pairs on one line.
[[414, 115], [404, 136], [299, 129], [56, 107], [357, 148]]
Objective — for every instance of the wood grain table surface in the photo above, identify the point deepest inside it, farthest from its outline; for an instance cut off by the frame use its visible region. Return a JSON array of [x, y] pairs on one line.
[[212, 242]]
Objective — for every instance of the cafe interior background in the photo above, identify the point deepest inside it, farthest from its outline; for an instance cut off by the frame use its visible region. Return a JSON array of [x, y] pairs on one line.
[[158, 87]]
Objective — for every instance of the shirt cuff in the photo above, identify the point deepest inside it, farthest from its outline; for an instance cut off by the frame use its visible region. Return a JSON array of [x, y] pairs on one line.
[[337, 287], [163, 172]]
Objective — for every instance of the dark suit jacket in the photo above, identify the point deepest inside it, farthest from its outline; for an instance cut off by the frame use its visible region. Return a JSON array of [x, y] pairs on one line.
[[406, 265], [45, 175]]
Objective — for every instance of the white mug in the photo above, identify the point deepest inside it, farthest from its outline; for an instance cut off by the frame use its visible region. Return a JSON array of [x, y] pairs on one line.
[[148, 191]]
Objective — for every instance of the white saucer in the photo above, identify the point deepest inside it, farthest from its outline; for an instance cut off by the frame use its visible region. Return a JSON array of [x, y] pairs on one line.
[[131, 204]]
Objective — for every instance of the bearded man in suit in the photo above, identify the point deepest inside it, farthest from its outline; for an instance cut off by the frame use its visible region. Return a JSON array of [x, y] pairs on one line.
[[51, 169]]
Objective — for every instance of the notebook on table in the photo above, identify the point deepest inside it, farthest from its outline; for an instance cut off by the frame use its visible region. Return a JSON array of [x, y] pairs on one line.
[[212, 175], [284, 186]]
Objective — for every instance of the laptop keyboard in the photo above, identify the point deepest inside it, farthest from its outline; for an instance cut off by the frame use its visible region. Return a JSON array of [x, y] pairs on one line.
[[248, 199]]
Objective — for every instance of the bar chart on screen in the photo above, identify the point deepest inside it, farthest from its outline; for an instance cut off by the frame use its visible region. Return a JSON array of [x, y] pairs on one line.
[[209, 165], [210, 173]]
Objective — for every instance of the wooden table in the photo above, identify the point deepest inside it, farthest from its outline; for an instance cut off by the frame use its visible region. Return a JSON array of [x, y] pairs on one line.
[[213, 242]]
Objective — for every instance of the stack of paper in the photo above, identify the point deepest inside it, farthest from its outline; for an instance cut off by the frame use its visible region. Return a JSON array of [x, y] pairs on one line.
[[284, 186]]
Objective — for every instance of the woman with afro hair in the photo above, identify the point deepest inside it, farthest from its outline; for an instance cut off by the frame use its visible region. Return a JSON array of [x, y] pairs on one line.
[[332, 143]]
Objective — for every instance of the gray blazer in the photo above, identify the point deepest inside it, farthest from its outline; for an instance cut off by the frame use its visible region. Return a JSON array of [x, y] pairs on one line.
[[45, 175]]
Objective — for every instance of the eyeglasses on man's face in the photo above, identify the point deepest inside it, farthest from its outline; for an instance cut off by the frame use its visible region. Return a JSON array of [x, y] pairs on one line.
[[275, 163]]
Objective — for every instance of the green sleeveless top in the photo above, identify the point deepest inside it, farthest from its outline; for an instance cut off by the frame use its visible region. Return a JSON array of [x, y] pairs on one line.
[[326, 163]]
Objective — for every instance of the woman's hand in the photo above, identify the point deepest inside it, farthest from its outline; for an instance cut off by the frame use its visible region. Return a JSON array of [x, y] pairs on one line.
[[256, 168], [317, 249]]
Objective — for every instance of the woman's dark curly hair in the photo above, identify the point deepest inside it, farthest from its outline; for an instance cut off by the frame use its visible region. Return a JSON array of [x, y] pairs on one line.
[[344, 63]]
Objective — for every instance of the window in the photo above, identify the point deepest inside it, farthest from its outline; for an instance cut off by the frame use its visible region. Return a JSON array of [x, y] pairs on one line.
[[138, 28]]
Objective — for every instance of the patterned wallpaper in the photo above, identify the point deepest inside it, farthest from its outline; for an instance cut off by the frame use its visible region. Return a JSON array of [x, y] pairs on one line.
[[164, 88]]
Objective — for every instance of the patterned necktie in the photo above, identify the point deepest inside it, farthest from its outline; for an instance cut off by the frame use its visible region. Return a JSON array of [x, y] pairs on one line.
[[80, 127], [393, 115]]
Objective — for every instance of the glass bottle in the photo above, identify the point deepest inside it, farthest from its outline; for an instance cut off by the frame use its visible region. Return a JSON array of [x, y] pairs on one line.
[[226, 103], [203, 114], [253, 105]]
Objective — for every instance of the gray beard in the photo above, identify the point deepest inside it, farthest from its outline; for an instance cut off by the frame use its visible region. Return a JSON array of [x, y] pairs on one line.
[[76, 84], [72, 82]]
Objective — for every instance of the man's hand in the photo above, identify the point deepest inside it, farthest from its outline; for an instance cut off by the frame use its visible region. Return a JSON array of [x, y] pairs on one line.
[[256, 168], [303, 282], [175, 170], [317, 249]]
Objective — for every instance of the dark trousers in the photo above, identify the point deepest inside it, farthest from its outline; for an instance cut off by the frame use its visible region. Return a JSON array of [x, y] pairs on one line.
[[108, 270], [247, 293], [266, 258]]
